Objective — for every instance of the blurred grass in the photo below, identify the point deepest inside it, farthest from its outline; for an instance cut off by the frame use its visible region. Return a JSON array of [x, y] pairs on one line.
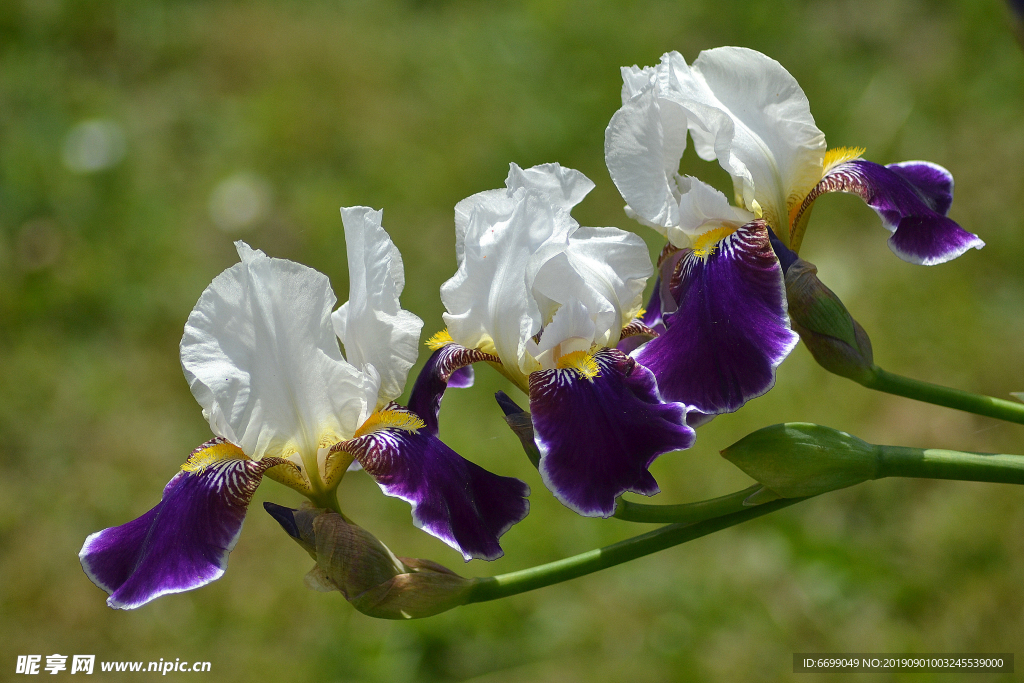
[[412, 106]]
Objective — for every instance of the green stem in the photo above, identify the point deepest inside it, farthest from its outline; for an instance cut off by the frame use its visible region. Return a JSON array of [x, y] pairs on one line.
[[1001, 409], [932, 463], [514, 583], [685, 513], [328, 500]]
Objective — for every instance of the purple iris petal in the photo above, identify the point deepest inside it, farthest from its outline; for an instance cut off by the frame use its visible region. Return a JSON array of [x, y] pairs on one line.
[[933, 183], [597, 436], [731, 330], [453, 499], [652, 314], [462, 378], [446, 367], [183, 542], [912, 199]]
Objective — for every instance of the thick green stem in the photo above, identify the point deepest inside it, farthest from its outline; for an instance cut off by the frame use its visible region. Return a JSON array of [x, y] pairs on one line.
[[514, 583], [685, 513], [931, 463], [881, 380], [327, 500]]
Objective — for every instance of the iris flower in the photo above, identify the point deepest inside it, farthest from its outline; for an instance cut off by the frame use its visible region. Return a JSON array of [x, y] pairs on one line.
[[261, 355], [545, 301], [721, 304]]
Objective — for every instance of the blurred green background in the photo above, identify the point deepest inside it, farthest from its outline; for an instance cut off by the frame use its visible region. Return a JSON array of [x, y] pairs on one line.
[[138, 139]]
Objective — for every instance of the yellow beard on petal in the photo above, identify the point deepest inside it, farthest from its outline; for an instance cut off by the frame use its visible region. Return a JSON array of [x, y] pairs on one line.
[[390, 419], [440, 340], [582, 362], [705, 244], [798, 212], [838, 155], [213, 451]]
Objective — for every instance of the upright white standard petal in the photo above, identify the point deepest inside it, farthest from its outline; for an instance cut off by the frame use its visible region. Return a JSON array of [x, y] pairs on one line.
[[488, 299], [643, 144], [562, 187], [371, 324], [572, 329], [703, 209], [261, 357], [605, 269], [525, 258], [747, 111]]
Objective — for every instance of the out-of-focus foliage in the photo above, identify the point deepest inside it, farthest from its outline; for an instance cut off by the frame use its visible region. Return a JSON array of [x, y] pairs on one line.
[[139, 138]]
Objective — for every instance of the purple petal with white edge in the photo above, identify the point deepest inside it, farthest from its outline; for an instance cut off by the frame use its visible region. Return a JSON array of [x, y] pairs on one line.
[[732, 329], [183, 542], [598, 434], [933, 183], [448, 366], [911, 199], [453, 499]]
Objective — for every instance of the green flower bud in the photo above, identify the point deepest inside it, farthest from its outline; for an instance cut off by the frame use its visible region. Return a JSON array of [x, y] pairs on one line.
[[798, 459], [351, 560], [834, 338]]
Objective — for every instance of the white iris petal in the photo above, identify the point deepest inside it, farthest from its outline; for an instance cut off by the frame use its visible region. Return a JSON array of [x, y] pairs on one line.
[[524, 258], [371, 324], [703, 208], [748, 112], [262, 359]]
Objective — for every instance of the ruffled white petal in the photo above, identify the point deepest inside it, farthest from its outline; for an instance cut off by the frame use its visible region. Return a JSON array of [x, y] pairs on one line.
[[606, 270], [563, 187], [747, 111], [463, 211], [703, 208], [643, 145], [371, 324], [524, 257], [488, 299], [261, 356], [635, 79], [571, 329]]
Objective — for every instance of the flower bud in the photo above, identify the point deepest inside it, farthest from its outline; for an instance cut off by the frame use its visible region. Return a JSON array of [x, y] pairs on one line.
[[798, 459], [351, 560], [835, 339]]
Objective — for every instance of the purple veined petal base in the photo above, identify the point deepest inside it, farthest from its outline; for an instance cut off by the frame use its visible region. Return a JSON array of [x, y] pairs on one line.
[[912, 199], [731, 330], [183, 542], [453, 499], [448, 366], [598, 436]]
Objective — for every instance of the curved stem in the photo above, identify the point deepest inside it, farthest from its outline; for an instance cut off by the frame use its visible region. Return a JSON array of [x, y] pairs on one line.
[[932, 463], [882, 380], [513, 583], [686, 512]]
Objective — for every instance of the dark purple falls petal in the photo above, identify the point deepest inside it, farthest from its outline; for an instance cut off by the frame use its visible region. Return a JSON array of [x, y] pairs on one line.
[[732, 329], [183, 542], [597, 436], [453, 499], [448, 366], [912, 199]]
